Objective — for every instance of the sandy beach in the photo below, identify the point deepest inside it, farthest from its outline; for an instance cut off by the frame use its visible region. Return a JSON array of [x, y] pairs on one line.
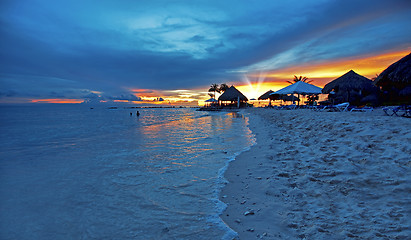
[[321, 175]]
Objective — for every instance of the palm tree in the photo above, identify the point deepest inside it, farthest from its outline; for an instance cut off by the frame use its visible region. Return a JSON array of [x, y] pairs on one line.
[[298, 79], [214, 88], [223, 87]]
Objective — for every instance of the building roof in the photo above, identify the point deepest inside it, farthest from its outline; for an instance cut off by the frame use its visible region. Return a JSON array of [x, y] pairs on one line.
[[348, 81], [232, 94]]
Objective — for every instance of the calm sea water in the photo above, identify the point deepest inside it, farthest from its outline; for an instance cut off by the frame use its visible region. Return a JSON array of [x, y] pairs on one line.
[[71, 172]]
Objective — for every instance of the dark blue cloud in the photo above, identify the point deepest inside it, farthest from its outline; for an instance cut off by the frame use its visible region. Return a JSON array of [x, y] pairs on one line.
[[8, 93], [127, 97], [49, 48]]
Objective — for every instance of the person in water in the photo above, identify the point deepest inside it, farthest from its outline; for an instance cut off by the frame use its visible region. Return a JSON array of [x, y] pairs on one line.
[[138, 113]]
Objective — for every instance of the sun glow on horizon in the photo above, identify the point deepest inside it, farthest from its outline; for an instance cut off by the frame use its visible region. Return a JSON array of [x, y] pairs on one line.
[[178, 97], [252, 84], [321, 73]]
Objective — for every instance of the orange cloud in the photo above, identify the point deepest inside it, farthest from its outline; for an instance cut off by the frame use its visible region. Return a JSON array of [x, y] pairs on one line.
[[144, 92], [255, 84], [179, 97]]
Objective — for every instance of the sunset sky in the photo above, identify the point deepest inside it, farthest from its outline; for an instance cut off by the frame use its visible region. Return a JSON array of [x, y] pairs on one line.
[[170, 52]]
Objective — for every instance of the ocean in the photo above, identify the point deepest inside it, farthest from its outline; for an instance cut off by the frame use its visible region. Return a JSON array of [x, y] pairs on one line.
[[72, 172]]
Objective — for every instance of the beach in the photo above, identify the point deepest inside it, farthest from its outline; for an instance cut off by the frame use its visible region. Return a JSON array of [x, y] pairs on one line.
[[321, 175]]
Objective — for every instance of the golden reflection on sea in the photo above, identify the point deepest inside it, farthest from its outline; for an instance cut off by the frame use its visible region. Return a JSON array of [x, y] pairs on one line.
[[185, 139]]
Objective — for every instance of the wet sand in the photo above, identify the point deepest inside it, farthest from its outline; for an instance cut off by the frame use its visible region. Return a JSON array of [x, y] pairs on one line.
[[321, 175]]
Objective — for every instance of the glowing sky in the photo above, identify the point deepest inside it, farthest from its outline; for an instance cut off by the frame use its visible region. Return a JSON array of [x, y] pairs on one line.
[[171, 51]]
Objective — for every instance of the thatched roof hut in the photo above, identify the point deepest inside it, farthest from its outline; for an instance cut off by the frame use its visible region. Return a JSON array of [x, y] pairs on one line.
[[265, 95], [270, 96], [397, 75], [232, 94], [350, 80], [350, 87], [406, 91]]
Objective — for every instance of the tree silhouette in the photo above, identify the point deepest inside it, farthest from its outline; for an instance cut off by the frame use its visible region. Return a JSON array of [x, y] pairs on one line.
[[223, 87], [299, 79], [214, 88]]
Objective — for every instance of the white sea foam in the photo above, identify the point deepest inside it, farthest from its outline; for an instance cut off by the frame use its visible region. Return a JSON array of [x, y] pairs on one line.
[[221, 181]]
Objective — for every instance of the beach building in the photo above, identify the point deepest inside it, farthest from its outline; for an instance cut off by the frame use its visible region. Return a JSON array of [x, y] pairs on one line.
[[232, 97], [395, 82], [266, 96], [353, 88]]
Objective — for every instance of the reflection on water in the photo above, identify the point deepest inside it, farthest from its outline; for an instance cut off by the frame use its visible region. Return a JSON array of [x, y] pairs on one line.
[[80, 173]]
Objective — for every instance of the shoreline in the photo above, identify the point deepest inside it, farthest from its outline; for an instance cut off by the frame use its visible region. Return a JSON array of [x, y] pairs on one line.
[[321, 175]]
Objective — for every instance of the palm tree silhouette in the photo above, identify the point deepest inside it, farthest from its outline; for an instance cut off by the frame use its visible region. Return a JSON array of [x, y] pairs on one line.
[[298, 79], [376, 76], [214, 88], [223, 87]]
